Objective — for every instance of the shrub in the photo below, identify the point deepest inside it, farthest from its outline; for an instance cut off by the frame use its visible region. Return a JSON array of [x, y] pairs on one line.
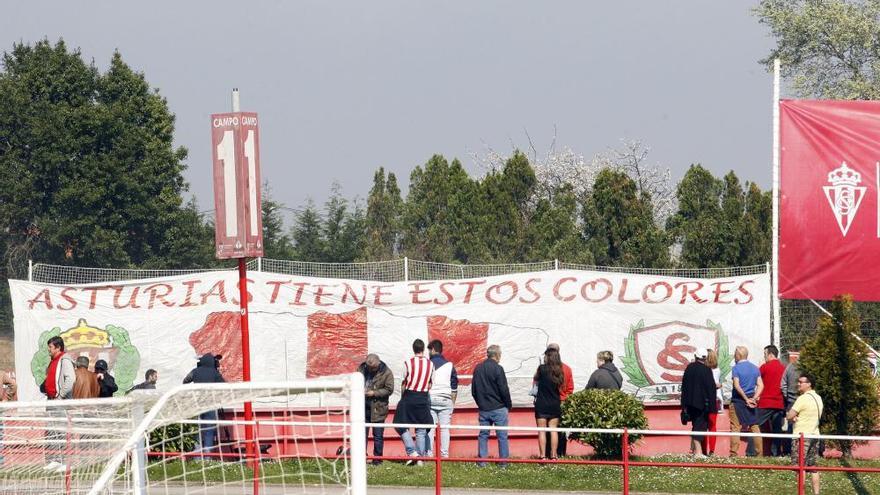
[[603, 409], [175, 437], [838, 363]]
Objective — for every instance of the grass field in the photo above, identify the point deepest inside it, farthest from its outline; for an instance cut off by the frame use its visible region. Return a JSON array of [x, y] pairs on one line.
[[537, 478]]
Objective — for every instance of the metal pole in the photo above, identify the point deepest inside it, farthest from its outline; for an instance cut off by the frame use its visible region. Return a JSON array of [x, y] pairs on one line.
[[625, 461], [777, 323], [405, 269], [358, 445], [800, 488], [438, 461], [139, 459], [251, 448], [30, 270]]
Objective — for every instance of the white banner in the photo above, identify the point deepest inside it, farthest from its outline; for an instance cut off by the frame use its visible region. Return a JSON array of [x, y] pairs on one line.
[[307, 327]]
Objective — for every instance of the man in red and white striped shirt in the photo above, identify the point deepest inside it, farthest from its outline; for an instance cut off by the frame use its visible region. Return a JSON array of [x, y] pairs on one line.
[[415, 405]]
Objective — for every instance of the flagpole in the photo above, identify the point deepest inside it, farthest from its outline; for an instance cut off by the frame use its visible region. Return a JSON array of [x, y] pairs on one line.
[[777, 323]]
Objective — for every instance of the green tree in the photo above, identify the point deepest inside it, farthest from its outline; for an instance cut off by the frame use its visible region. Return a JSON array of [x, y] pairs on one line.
[[432, 206], [828, 48], [90, 174], [619, 224], [277, 244], [343, 229], [307, 234], [838, 363], [553, 232], [382, 220], [697, 225], [503, 210], [757, 226]]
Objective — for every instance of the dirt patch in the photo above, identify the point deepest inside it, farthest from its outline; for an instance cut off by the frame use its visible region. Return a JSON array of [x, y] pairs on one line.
[[7, 354]]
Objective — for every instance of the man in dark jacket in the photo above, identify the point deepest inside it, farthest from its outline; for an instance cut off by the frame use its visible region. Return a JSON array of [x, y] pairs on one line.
[[149, 383], [206, 372], [606, 376], [492, 395], [106, 382], [378, 387], [697, 397]]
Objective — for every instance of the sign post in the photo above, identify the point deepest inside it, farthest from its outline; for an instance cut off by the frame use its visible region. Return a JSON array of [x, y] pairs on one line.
[[235, 140]]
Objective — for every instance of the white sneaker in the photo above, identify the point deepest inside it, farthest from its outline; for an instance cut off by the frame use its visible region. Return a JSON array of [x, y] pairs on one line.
[[429, 453], [52, 466], [413, 461]]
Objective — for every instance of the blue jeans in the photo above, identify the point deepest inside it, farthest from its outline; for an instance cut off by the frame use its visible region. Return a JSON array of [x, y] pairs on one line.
[[414, 447], [378, 436], [441, 411], [208, 432], [496, 417]]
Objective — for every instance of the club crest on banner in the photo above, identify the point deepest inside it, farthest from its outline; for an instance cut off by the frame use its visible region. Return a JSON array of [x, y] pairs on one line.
[[656, 356], [844, 195]]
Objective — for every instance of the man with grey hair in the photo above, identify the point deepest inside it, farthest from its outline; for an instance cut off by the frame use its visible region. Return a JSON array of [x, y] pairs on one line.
[[492, 395], [606, 376], [378, 387]]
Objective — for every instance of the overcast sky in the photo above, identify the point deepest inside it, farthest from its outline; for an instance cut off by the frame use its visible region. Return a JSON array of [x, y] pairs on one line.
[[345, 86]]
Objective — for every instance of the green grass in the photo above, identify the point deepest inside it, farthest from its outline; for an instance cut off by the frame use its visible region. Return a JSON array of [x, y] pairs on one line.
[[537, 478]]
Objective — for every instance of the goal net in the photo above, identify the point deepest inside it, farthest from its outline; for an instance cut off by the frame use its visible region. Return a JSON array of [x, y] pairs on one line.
[[303, 437]]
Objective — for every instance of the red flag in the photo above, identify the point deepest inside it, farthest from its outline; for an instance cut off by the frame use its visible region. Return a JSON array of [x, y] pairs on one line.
[[828, 209]]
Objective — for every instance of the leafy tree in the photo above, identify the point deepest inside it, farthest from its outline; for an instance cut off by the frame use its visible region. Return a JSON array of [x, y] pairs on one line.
[[553, 231], [343, 231], [307, 235], [829, 48], [619, 224], [697, 225], [434, 201], [90, 174], [757, 226], [503, 210], [382, 220], [838, 362], [277, 244]]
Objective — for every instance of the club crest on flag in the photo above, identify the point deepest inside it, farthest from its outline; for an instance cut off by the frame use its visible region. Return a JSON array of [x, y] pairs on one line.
[[844, 195]]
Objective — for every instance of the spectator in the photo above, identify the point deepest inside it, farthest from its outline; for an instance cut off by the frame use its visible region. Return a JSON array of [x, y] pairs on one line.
[[712, 363], [415, 405], [698, 397], [771, 406], [206, 372], [8, 387], [378, 387], [149, 383], [60, 374], [490, 392], [8, 393], [607, 376], [789, 389], [58, 385], [444, 391], [550, 379], [805, 413], [566, 390], [85, 385], [105, 379], [746, 384]]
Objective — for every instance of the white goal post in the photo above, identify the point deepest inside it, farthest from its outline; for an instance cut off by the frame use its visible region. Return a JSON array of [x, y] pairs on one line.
[[191, 439]]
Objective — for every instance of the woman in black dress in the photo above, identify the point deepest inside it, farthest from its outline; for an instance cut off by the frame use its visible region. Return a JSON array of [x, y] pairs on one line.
[[548, 408]]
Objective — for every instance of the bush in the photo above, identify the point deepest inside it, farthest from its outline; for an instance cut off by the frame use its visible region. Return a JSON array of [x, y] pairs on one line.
[[603, 409], [175, 437], [838, 363]]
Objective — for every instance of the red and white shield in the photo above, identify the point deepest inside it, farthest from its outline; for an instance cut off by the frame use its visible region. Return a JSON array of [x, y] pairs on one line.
[[664, 351]]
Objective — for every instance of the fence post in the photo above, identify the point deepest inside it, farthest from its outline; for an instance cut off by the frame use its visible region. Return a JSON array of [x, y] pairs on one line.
[[800, 488], [625, 455], [556, 264], [438, 462], [260, 264], [30, 270], [405, 269]]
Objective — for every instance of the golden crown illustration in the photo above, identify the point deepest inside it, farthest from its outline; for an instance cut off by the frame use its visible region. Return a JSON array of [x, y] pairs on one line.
[[83, 335]]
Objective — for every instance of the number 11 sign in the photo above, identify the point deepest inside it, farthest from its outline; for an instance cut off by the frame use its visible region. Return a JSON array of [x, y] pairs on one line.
[[235, 141]]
